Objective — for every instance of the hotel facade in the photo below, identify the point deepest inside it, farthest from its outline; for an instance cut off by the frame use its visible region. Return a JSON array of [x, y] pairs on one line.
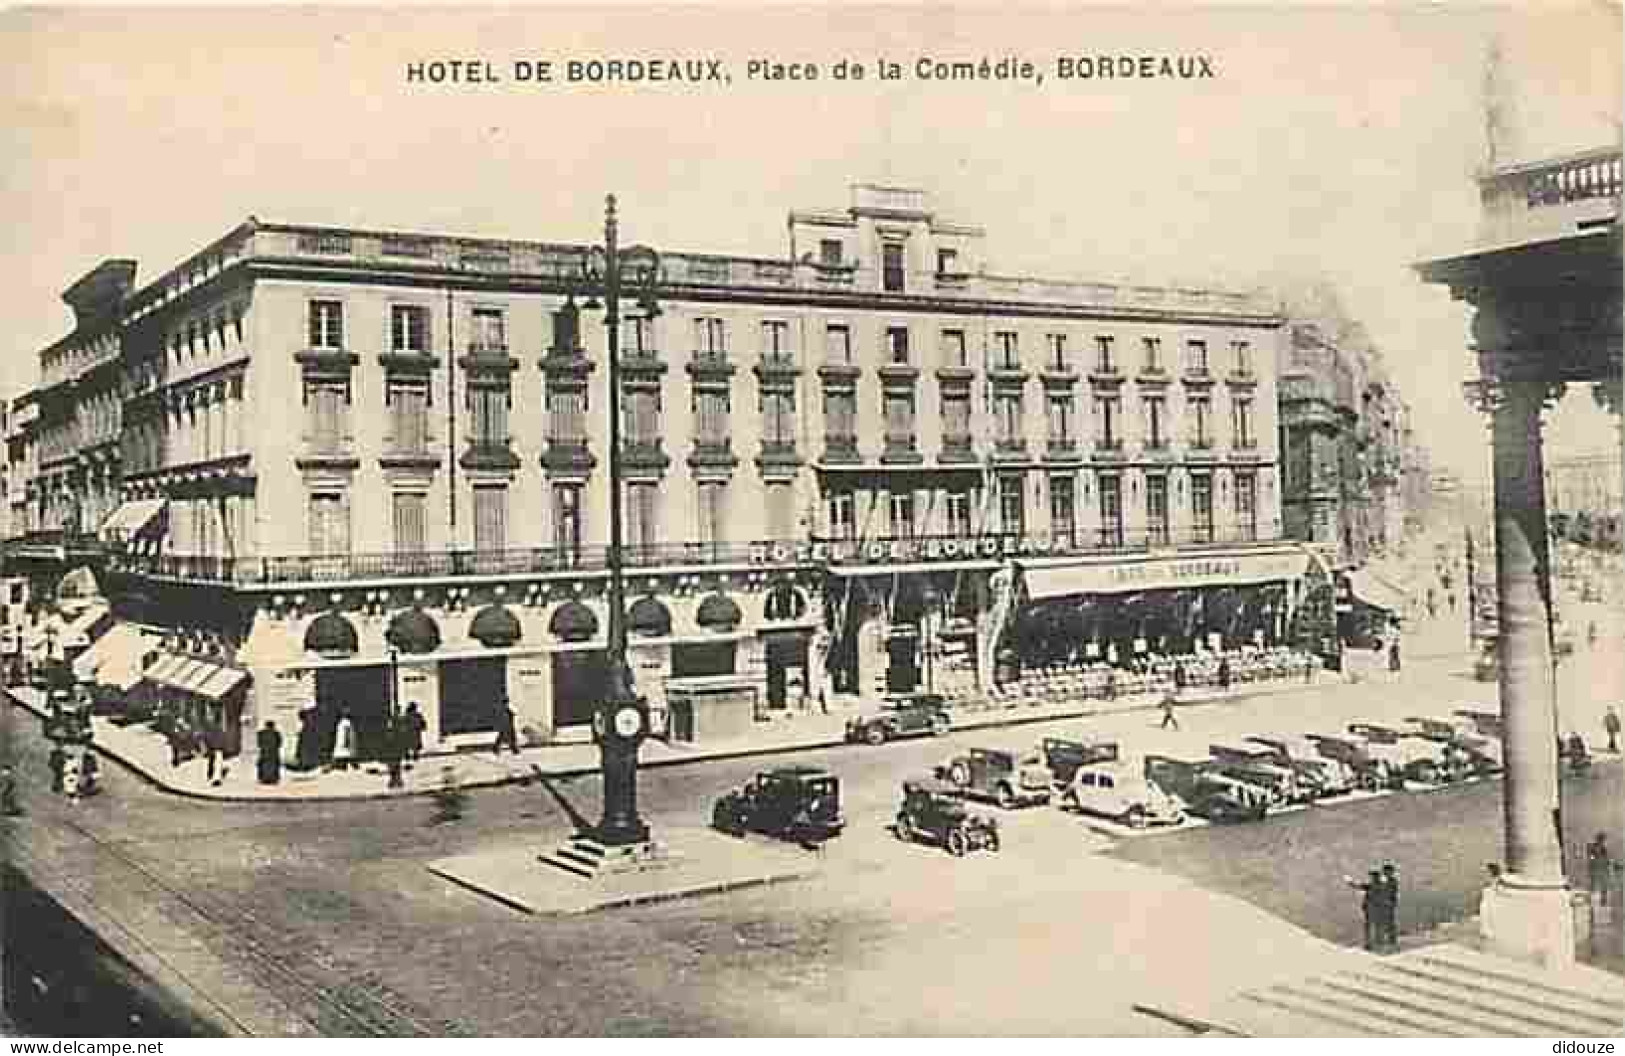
[[339, 471]]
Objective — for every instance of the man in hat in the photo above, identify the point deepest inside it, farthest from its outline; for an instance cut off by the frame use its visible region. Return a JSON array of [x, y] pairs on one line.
[[1370, 893], [1610, 725], [1388, 907]]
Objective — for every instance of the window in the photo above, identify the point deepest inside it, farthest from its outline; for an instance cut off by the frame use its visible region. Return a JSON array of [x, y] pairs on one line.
[[781, 513], [947, 261], [1107, 411], [567, 416], [408, 403], [1153, 354], [837, 343], [840, 515], [840, 415], [779, 417], [1156, 508], [488, 408], [329, 523], [642, 515], [1202, 506], [567, 331], [956, 417], [637, 336], [898, 408], [829, 252], [1111, 510], [711, 417], [490, 331], [641, 413], [891, 265], [327, 413], [713, 512], [1007, 418], [1012, 504], [1062, 509], [1006, 351], [900, 505], [1060, 418], [1241, 355], [567, 526], [710, 339], [326, 324], [897, 345], [1196, 357], [490, 518], [1057, 351], [958, 513], [1241, 413], [407, 514], [1103, 356], [409, 329], [1156, 422], [775, 341], [953, 349], [1246, 486], [1201, 419]]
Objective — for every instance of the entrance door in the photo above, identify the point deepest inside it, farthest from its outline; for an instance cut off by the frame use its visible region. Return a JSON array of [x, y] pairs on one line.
[[903, 668], [362, 693], [786, 656], [580, 683], [471, 691]]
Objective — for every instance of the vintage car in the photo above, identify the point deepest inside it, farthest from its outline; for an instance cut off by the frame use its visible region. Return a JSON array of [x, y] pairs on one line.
[[1465, 748], [932, 812], [800, 803], [1262, 767], [918, 716], [1063, 757], [1008, 779], [1120, 790], [1206, 790], [1371, 771], [1475, 719], [1323, 776], [1412, 756]]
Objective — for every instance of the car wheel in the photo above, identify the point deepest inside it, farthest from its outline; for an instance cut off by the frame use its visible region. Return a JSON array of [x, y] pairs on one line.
[[940, 726], [1136, 817], [1004, 797], [957, 842], [959, 775], [875, 735]]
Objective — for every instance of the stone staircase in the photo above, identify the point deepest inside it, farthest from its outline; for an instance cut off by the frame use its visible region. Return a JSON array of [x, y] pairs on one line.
[[1437, 991], [585, 857]]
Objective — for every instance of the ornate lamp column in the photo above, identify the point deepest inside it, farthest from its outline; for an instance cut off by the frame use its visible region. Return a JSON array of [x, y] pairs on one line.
[[1527, 912]]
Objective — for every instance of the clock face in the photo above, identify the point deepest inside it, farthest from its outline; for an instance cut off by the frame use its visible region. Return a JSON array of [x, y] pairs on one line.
[[628, 722]]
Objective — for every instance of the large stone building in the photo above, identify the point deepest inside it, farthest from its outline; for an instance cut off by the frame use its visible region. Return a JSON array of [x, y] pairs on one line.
[[364, 468]]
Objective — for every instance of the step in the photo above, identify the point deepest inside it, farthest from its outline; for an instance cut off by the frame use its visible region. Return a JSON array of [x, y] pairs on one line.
[[1422, 1024], [1500, 976], [1491, 1020], [1582, 981], [1310, 1012], [573, 868], [1535, 1009], [588, 862]]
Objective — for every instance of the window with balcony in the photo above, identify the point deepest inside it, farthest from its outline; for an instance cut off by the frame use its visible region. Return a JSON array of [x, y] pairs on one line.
[[830, 252], [954, 353], [329, 522], [407, 402], [1241, 355], [1201, 408], [1156, 508], [1241, 421], [713, 512], [779, 418], [490, 337], [1246, 488], [1105, 357], [1156, 422], [567, 416], [409, 329], [1110, 487], [956, 418], [490, 518], [1196, 357], [897, 406], [1202, 507], [641, 417], [1012, 504], [711, 410], [892, 267], [900, 507], [1007, 419], [327, 414], [1059, 408], [326, 324], [957, 509], [1006, 351], [841, 417], [408, 517], [897, 345], [1063, 518], [837, 343], [710, 340], [567, 518], [1108, 412], [488, 416], [840, 515], [642, 515], [947, 261], [776, 342]]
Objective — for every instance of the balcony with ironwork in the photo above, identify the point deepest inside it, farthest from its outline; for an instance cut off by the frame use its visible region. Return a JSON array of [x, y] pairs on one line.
[[1241, 378], [1197, 375], [778, 458], [957, 448], [488, 357], [841, 448], [710, 366], [1108, 449], [1061, 449], [777, 368], [644, 455], [570, 456], [712, 455], [1010, 448], [489, 453], [901, 449], [1105, 374]]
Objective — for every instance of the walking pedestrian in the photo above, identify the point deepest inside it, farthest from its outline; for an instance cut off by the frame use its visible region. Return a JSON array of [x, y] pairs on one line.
[[1600, 866], [10, 806], [395, 733], [214, 751], [344, 744], [1610, 725], [1224, 673], [1370, 895], [1168, 700], [1389, 906], [1393, 656], [415, 725], [269, 763], [506, 734], [58, 762]]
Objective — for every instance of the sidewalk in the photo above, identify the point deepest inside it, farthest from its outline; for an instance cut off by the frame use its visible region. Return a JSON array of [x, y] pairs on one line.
[[146, 752]]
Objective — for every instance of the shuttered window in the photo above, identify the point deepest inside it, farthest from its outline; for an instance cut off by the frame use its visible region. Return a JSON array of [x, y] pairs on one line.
[[489, 407], [711, 414], [490, 518], [713, 512], [410, 528], [567, 415], [642, 515], [779, 417], [408, 415], [329, 523], [327, 406]]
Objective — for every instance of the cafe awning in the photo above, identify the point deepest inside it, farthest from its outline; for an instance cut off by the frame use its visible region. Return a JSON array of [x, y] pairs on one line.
[[1375, 592], [203, 678], [132, 517], [1046, 579]]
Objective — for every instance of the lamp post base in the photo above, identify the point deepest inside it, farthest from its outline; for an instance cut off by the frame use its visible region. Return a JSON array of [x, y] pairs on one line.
[[1529, 923], [589, 857]]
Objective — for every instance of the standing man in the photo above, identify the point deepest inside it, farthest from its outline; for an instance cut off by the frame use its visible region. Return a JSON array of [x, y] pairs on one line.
[[1610, 724], [415, 725], [1169, 698], [1370, 895], [1389, 906], [1393, 654], [1600, 866], [505, 729], [269, 762]]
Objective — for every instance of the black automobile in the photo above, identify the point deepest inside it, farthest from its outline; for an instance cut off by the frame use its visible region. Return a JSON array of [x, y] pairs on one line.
[[932, 812], [1206, 790], [1064, 757], [799, 803], [916, 716]]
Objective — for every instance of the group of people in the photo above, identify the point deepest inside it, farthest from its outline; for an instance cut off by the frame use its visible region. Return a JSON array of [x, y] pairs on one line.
[[398, 744], [1379, 903]]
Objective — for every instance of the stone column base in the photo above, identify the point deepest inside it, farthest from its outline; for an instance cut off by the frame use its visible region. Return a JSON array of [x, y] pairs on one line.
[[1528, 923]]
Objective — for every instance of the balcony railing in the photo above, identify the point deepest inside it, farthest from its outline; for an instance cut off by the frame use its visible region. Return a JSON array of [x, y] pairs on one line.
[[1551, 197]]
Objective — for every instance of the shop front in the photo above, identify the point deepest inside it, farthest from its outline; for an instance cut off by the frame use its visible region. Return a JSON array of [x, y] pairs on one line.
[[905, 631]]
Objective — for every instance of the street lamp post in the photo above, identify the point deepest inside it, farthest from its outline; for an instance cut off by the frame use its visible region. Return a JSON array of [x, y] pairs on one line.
[[394, 743]]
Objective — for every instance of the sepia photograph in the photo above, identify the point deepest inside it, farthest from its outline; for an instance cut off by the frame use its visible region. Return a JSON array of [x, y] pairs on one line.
[[899, 519]]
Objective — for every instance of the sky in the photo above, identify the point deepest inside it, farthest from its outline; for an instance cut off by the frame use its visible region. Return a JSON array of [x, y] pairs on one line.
[[1333, 140]]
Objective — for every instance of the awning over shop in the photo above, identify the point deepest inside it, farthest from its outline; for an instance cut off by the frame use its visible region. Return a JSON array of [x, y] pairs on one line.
[[221, 680], [413, 631], [330, 634], [200, 677], [1378, 593], [495, 627], [131, 518], [1062, 578], [717, 612], [573, 622]]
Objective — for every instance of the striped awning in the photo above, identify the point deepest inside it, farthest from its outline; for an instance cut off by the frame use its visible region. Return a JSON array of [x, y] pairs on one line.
[[131, 517], [204, 678]]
